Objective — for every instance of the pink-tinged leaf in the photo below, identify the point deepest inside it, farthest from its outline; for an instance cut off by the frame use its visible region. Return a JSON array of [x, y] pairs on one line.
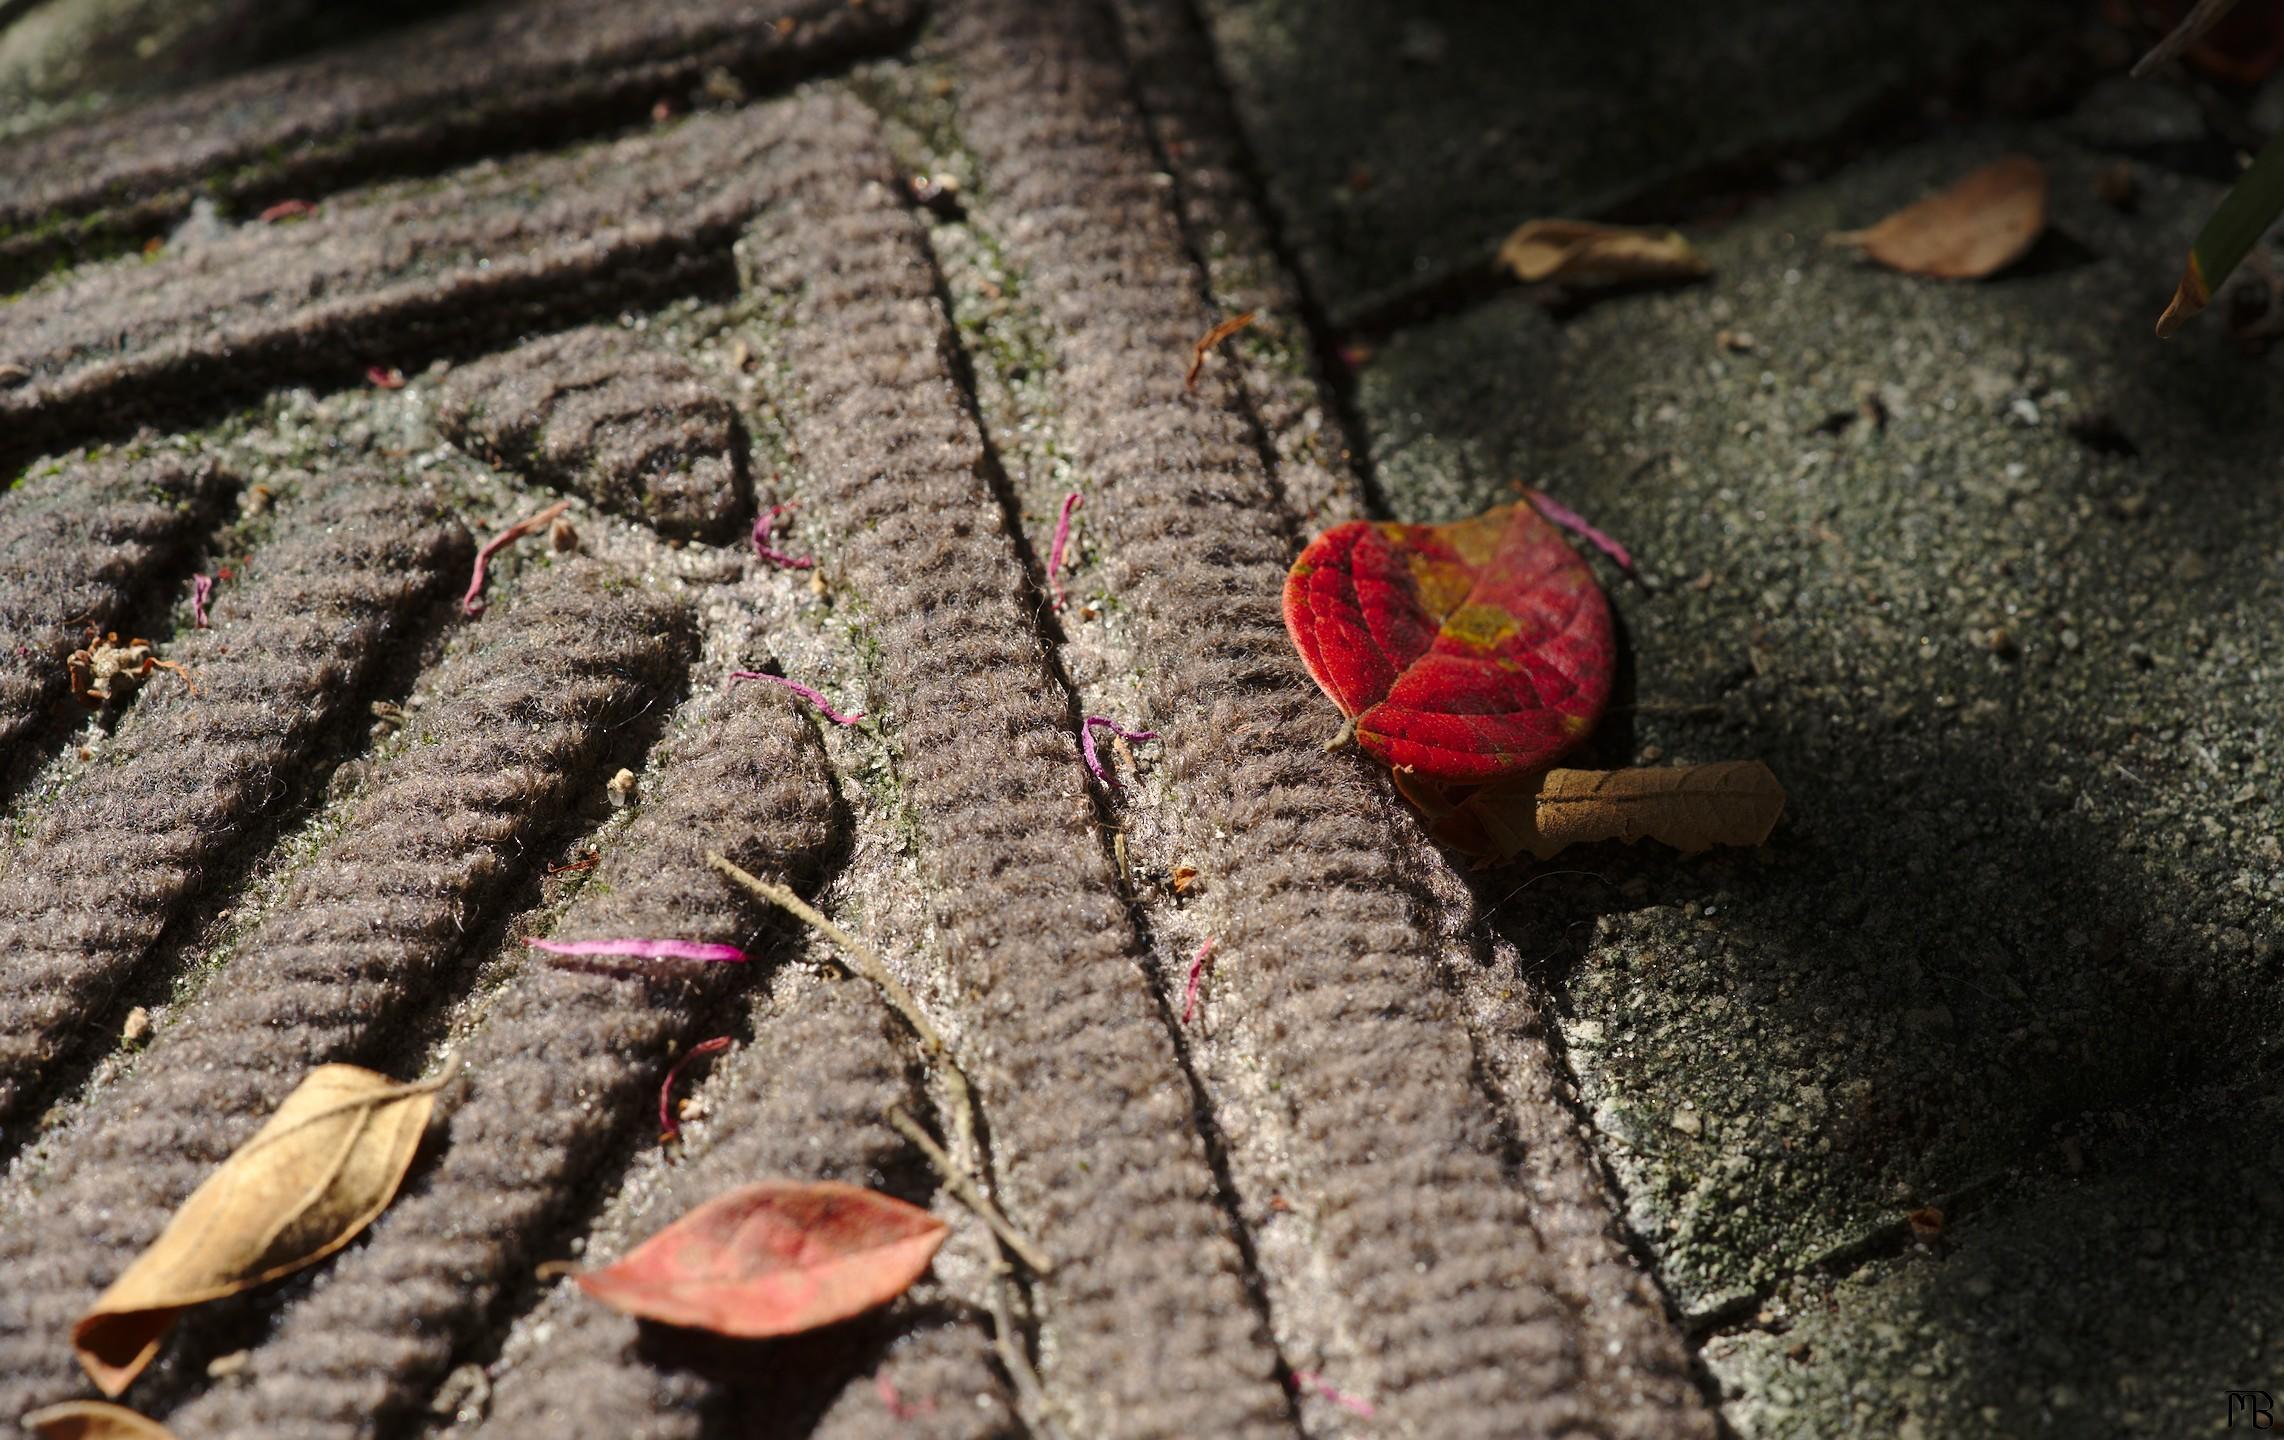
[[777, 1257], [645, 950], [1462, 652]]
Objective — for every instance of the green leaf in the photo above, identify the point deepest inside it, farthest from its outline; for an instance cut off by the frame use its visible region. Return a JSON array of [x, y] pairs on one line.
[[2244, 215]]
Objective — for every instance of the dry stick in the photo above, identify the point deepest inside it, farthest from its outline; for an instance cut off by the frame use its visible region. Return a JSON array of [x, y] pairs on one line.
[[861, 960], [2191, 29], [963, 1185], [1029, 1393]]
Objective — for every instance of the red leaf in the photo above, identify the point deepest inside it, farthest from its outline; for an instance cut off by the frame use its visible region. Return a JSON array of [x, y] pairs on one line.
[[1464, 652], [774, 1258]]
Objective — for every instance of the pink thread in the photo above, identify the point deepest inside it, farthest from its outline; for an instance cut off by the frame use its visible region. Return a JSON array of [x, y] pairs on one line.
[[1062, 538], [1197, 976], [201, 586], [668, 1127], [645, 949], [286, 210], [762, 524], [1574, 522], [473, 602], [1086, 744], [384, 377], [1310, 1380], [896, 1403], [804, 692]]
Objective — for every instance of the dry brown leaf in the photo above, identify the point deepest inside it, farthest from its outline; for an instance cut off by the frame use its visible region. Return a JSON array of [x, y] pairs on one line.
[[1580, 250], [93, 1420], [1691, 808], [1978, 227], [327, 1162]]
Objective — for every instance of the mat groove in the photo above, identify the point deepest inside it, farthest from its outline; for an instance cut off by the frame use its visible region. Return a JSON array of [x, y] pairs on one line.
[[81, 544], [497, 77], [516, 725], [127, 847], [398, 275]]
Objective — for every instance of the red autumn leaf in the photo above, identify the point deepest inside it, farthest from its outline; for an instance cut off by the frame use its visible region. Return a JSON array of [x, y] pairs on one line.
[[1464, 652], [774, 1258]]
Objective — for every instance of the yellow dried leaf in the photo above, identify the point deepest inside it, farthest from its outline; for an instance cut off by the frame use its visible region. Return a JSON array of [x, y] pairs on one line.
[[325, 1165], [1978, 227], [1580, 250], [93, 1420], [1691, 808]]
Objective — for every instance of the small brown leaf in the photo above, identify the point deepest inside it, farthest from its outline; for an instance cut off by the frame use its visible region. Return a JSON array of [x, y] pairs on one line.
[[1579, 250], [1690, 808], [776, 1257], [1978, 227], [325, 1165], [93, 1420]]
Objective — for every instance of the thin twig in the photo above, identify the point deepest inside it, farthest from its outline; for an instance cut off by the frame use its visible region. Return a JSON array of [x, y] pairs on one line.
[[863, 962], [961, 1184], [857, 955], [1030, 1395], [2192, 29]]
